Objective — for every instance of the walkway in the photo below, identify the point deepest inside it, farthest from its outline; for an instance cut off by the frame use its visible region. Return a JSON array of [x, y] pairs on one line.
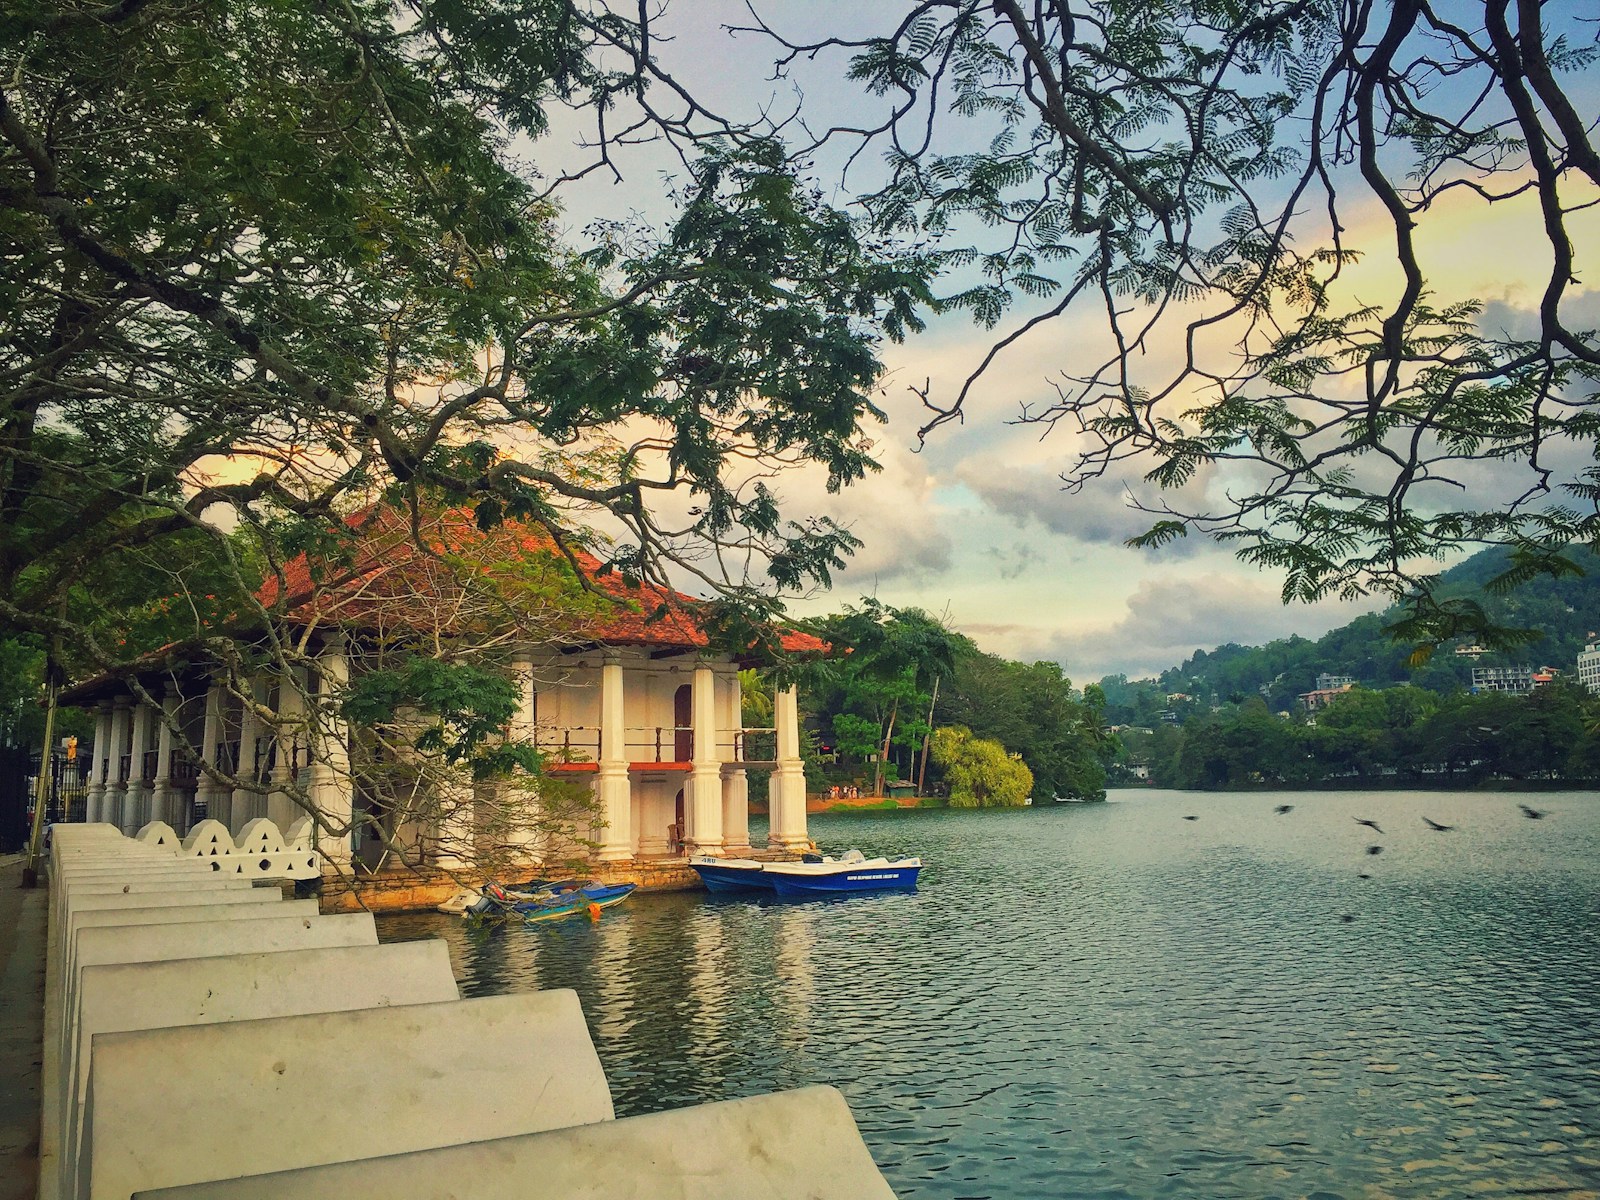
[[22, 932]]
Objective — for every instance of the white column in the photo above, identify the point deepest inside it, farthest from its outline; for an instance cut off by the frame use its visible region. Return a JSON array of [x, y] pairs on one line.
[[97, 768], [248, 804], [290, 738], [164, 799], [516, 798], [616, 800], [116, 784], [735, 784], [208, 792], [705, 778], [455, 797], [787, 792], [134, 810], [332, 790]]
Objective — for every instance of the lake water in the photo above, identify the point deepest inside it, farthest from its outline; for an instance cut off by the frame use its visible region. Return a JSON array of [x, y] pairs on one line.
[[1112, 1001]]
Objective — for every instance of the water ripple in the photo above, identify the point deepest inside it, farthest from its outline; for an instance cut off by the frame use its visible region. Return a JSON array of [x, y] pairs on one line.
[[1112, 1002]]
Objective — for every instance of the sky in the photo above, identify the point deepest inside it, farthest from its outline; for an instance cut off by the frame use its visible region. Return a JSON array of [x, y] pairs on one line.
[[975, 525]]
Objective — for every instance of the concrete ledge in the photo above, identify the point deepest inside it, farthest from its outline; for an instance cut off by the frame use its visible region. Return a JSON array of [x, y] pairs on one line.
[[124, 944], [123, 997], [233, 1096], [800, 1145]]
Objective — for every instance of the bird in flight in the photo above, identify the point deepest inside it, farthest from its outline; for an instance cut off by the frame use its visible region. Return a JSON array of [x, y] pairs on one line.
[[1363, 875], [1191, 818], [1374, 849], [1436, 827], [1284, 808], [1367, 823], [1533, 814]]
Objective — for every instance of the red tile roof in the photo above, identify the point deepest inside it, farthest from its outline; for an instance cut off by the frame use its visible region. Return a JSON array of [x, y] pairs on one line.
[[384, 578]]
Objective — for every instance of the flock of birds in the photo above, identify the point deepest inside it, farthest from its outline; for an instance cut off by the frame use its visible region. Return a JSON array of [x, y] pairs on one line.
[[1283, 810]]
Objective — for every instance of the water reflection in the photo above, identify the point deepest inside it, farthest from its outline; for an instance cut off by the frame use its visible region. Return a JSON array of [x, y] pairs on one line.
[[1111, 1001]]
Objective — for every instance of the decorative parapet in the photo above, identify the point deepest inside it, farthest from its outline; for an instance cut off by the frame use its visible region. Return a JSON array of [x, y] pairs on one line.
[[260, 851]]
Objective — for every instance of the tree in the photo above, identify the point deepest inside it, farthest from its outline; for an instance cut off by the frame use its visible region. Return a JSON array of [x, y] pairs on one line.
[[979, 771], [885, 665], [269, 265], [1199, 175], [1034, 710], [273, 259]]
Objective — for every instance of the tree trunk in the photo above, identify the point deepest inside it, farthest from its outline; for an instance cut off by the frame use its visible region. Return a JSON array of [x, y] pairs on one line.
[[883, 756], [922, 770]]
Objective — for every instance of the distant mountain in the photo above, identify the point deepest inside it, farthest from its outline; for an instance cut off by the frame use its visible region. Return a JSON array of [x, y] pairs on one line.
[[1565, 610]]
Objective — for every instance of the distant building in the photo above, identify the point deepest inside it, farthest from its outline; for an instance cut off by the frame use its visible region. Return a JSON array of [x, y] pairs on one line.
[[1321, 697], [1589, 665], [1335, 683], [1474, 651], [1517, 681]]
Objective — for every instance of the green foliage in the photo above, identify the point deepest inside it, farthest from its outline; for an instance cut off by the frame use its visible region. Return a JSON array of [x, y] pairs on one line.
[[1403, 735], [979, 772], [1562, 611], [269, 262], [1205, 176], [456, 710], [876, 689], [1033, 709]]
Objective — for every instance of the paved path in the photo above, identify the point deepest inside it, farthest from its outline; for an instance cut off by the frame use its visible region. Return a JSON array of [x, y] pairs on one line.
[[22, 933]]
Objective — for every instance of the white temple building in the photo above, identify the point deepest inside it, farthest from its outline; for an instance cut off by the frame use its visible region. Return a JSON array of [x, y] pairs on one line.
[[630, 699]]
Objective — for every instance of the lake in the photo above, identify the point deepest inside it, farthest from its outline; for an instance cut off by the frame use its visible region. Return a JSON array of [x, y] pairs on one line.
[[1112, 1001]]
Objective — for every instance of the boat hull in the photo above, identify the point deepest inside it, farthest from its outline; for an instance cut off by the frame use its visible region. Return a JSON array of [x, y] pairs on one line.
[[733, 877], [581, 900], [846, 880]]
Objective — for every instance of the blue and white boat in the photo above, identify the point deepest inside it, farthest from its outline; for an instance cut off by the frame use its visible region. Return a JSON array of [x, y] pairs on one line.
[[731, 874], [800, 880]]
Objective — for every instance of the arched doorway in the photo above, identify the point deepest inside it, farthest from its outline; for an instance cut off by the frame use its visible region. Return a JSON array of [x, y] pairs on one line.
[[675, 831]]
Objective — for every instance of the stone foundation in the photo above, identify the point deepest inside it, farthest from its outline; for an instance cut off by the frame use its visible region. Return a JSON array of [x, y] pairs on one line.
[[410, 890]]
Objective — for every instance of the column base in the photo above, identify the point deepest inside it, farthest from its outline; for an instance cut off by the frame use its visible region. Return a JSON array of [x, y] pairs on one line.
[[614, 855], [789, 841], [133, 816]]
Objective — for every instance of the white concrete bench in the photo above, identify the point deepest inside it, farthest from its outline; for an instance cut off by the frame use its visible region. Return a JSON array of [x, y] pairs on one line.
[[800, 1145], [236, 1099], [121, 997], [210, 939]]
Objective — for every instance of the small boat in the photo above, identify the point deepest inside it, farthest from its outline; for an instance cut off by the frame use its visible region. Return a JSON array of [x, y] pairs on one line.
[[460, 904], [551, 900], [731, 874], [578, 900], [810, 879]]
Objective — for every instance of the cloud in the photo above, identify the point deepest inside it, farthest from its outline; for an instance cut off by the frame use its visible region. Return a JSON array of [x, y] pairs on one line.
[[905, 528], [1100, 513], [1167, 619]]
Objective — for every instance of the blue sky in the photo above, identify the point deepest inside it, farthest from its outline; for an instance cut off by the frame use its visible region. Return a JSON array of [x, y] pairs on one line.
[[976, 526]]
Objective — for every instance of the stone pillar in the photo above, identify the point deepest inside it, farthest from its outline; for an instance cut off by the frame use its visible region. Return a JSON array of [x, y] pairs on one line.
[[705, 778], [616, 797], [787, 793], [210, 794], [116, 782], [247, 804], [164, 804], [134, 800], [290, 739], [455, 797], [332, 790], [97, 767], [735, 784], [516, 798]]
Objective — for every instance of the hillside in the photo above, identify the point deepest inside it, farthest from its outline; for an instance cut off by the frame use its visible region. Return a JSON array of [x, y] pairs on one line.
[[1565, 610]]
